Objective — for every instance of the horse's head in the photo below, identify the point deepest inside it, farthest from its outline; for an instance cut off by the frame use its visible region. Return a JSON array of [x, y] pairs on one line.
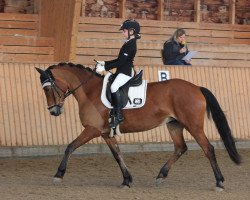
[[55, 91]]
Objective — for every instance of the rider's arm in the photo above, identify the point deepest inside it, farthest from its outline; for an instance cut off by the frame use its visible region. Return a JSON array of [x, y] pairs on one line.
[[126, 52], [117, 63]]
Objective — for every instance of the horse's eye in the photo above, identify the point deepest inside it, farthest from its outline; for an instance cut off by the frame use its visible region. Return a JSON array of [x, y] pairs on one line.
[[46, 89]]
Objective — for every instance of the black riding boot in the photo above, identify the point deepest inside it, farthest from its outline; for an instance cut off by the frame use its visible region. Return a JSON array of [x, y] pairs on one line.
[[116, 112]]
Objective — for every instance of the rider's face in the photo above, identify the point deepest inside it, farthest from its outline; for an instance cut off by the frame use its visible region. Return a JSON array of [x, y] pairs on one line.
[[125, 33]]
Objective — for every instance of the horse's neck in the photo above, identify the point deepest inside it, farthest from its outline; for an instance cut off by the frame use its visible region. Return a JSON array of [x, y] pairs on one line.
[[88, 96], [88, 87]]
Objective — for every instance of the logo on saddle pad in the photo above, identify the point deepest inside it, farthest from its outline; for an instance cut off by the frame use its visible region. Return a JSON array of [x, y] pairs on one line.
[[133, 92]]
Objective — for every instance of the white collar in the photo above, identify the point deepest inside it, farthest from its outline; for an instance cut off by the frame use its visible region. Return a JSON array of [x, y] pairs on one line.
[[130, 39]]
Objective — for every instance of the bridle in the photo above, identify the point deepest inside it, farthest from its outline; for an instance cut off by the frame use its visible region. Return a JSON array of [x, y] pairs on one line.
[[61, 94]]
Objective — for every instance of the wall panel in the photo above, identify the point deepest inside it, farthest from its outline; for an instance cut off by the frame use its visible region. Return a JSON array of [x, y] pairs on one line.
[[20, 40], [25, 121]]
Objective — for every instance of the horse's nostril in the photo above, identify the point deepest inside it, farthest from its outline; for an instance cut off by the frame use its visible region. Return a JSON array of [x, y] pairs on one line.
[[53, 113], [55, 110]]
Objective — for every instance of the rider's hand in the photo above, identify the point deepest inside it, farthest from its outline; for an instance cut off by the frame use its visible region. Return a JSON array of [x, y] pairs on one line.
[[101, 62], [99, 68]]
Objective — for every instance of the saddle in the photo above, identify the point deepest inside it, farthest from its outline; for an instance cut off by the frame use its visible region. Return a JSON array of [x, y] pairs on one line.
[[133, 82]]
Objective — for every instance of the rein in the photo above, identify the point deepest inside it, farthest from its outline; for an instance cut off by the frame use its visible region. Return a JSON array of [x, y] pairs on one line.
[[69, 92]]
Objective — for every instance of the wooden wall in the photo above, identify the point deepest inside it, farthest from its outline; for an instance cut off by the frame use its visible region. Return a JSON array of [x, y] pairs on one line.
[[59, 19], [57, 23], [25, 120], [20, 40], [217, 44]]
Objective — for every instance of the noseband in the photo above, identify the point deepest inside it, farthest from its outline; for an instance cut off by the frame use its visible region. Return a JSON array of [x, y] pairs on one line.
[[56, 88]]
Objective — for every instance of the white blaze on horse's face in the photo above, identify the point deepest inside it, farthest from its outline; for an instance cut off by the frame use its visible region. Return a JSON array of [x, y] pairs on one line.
[[53, 97]]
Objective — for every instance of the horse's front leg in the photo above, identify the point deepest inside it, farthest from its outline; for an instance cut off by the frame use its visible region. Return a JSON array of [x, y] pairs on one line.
[[113, 145], [88, 133]]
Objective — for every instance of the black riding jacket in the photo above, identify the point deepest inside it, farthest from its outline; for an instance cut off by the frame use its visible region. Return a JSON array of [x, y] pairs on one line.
[[124, 62]]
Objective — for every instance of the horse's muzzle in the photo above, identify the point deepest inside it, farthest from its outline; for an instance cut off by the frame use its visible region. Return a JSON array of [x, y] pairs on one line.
[[55, 110]]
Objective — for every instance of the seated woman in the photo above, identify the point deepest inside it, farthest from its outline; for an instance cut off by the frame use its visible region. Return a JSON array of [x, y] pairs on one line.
[[175, 49]]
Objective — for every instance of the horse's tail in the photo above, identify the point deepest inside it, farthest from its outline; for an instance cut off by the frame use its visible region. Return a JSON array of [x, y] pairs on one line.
[[221, 124]]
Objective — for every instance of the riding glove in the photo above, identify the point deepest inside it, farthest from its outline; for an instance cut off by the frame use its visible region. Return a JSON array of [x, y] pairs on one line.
[[100, 68], [101, 62]]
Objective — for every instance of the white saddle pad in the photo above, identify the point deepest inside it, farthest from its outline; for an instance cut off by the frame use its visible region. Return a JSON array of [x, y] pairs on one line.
[[137, 95]]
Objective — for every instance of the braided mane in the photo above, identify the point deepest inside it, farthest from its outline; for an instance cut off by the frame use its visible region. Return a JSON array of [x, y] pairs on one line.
[[79, 66]]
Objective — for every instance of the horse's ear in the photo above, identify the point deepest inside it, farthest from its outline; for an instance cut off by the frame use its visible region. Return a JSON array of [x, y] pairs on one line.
[[39, 70], [42, 72]]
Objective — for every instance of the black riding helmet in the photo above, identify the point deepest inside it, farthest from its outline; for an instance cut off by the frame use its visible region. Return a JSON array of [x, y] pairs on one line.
[[131, 24]]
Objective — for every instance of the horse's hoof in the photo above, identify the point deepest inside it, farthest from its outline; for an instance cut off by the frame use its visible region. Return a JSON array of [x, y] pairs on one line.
[[57, 180], [219, 189], [219, 186], [125, 186], [159, 181]]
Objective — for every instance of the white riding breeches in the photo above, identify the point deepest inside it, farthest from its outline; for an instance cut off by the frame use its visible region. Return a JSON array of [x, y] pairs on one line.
[[119, 81]]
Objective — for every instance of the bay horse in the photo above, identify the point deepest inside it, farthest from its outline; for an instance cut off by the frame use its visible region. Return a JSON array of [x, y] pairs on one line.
[[177, 103]]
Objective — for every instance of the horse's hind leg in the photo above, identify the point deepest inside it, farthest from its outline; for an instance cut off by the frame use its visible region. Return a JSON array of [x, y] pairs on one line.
[[176, 132], [113, 145], [208, 150], [87, 134]]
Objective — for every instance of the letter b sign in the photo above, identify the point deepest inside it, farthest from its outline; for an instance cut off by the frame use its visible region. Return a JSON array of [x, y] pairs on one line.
[[163, 75]]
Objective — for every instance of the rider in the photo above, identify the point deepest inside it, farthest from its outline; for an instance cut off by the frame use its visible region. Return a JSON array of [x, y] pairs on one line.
[[124, 67]]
